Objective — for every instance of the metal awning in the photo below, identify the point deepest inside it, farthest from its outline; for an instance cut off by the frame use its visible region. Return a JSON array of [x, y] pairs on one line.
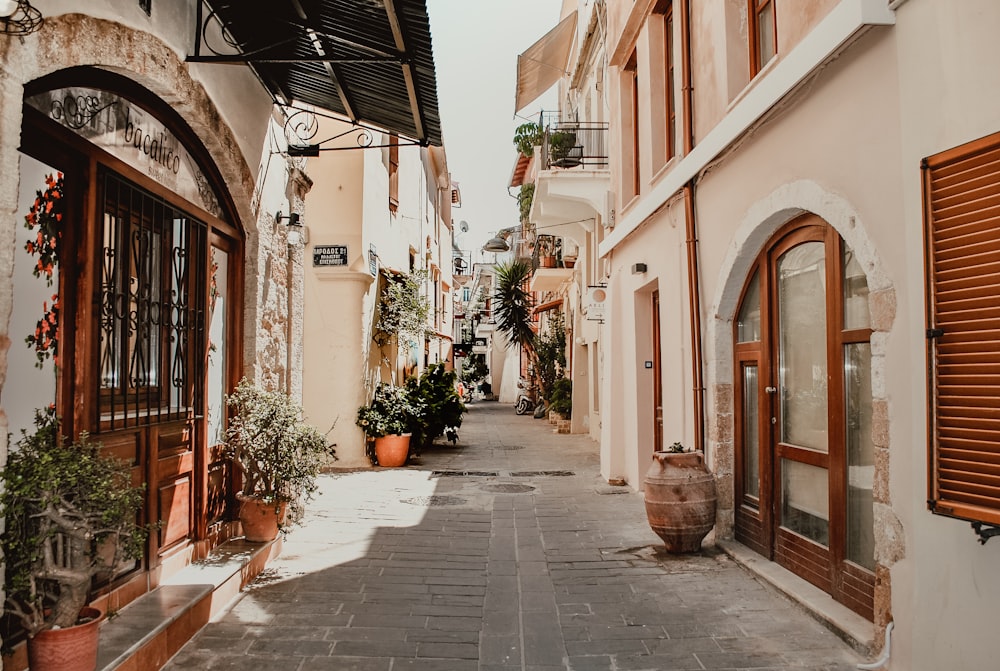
[[544, 62], [368, 60]]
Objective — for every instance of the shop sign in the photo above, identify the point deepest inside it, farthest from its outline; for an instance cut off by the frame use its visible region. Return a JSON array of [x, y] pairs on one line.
[[131, 134], [593, 303]]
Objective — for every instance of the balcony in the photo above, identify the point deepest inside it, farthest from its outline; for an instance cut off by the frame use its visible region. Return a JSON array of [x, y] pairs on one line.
[[571, 144], [573, 180]]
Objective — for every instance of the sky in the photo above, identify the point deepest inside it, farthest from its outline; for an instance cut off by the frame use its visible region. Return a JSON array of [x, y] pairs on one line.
[[476, 43]]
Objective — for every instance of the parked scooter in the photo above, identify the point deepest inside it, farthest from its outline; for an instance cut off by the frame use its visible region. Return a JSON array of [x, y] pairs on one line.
[[526, 401]]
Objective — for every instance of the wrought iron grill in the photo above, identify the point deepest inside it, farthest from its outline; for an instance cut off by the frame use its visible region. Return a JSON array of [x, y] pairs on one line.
[[152, 296]]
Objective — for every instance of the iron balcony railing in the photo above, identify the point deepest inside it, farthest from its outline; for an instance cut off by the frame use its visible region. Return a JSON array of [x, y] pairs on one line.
[[570, 144]]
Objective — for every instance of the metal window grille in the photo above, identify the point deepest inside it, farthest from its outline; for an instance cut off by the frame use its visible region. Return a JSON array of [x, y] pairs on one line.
[[153, 291]]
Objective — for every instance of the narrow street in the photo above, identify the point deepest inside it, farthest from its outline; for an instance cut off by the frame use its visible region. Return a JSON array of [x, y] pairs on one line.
[[506, 551]]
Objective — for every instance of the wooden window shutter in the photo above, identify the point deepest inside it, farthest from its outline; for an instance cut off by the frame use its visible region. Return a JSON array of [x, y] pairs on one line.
[[962, 229]]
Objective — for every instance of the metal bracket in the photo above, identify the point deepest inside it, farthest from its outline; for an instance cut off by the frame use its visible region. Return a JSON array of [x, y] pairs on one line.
[[302, 126], [985, 531]]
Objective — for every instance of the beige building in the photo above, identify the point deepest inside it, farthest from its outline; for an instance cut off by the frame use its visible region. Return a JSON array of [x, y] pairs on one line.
[[384, 210], [800, 265], [158, 141]]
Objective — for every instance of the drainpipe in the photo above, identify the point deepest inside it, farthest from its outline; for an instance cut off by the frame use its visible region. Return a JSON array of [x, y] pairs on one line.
[[694, 305], [694, 286], [886, 651]]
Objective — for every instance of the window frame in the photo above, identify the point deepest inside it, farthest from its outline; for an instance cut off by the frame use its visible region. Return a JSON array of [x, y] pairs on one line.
[[755, 9]]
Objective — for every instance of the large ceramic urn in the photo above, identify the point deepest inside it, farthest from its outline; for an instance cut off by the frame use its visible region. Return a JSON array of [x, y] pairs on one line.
[[680, 499]]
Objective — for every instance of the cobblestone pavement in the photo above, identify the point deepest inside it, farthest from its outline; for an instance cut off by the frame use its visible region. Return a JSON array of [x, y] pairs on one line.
[[506, 551]]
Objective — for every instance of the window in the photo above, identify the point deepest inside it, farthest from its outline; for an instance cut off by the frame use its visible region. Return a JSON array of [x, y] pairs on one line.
[[393, 173], [630, 130], [962, 243], [762, 33], [663, 111]]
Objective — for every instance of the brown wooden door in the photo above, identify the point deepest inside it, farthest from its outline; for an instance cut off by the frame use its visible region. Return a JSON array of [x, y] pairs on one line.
[[657, 377], [803, 413]]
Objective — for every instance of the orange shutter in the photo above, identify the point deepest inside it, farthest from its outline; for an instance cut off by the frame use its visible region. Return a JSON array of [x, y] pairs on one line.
[[962, 218]]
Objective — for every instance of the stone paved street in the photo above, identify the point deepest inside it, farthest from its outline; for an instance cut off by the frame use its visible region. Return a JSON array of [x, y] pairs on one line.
[[504, 552]]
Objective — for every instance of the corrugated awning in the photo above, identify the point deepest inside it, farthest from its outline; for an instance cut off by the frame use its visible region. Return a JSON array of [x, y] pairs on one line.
[[544, 62], [369, 61]]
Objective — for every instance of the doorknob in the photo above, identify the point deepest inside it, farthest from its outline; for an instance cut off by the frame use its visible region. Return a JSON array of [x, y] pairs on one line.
[[770, 390]]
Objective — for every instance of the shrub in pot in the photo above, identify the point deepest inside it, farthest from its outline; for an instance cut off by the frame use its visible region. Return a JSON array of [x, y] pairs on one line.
[[561, 398], [434, 392], [278, 456], [391, 414], [70, 517]]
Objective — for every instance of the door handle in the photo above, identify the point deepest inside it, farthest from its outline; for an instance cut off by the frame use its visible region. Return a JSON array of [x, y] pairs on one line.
[[770, 390]]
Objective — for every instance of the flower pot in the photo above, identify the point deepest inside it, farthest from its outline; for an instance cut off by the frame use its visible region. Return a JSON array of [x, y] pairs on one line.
[[392, 450], [546, 262], [260, 519], [680, 499], [69, 649]]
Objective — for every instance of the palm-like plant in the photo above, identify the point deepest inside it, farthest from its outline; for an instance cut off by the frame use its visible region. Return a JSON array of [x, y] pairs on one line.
[[512, 304]]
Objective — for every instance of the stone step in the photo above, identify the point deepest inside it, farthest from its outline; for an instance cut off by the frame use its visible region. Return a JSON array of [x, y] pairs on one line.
[[144, 635]]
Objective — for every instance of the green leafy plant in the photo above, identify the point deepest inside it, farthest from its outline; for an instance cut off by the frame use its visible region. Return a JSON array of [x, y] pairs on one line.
[[402, 309], [560, 144], [70, 517], [526, 137], [550, 348], [524, 199], [561, 398], [392, 411], [475, 369], [512, 304], [434, 391], [277, 454]]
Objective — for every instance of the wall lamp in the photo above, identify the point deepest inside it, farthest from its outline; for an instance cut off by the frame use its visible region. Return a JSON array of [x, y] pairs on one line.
[[18, 17], [296, 231]]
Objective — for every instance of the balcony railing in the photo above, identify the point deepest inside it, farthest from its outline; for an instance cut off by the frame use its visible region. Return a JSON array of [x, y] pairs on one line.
[[570, 144]]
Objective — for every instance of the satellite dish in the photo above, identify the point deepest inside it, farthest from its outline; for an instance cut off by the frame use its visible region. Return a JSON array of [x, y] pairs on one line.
[[463, 226]]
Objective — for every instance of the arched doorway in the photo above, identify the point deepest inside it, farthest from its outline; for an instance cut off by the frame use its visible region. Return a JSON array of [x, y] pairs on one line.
[[150, 270], [804, 452]]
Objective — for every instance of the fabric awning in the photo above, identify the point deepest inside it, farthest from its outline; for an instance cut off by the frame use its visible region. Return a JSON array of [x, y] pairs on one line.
[[544, 62], [370, 62]]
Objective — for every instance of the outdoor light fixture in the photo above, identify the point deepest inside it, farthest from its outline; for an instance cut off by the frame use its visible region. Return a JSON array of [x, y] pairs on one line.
[[18, 17], [498, 243], [295, 228]]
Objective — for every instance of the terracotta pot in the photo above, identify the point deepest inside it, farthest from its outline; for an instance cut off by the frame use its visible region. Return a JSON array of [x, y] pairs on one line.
[[392, 450], [546, 262], [69, 649], [260, 520], [569, 263], [680, 499]]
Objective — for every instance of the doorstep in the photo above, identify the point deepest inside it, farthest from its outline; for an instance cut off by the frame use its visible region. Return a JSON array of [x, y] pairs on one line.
[[145, 634], [853, 629]]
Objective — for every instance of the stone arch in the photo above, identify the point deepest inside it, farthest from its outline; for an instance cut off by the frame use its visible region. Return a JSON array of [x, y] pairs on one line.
[[759, 223], [150, 62]]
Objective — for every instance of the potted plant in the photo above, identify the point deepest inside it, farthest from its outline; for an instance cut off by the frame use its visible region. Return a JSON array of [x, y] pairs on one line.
[[278, 456], [434, 391], [527, 136], [680, 498], [561, 143], [389, 419], [70, 517], [561, 398]]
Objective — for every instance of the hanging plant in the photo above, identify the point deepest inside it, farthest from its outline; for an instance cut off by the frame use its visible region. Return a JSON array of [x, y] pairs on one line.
[[45, 220], [402, 309]]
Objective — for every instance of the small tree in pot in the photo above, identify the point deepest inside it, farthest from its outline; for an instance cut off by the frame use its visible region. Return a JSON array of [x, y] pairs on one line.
[[70, 517], [278, 455], [435, 392]]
